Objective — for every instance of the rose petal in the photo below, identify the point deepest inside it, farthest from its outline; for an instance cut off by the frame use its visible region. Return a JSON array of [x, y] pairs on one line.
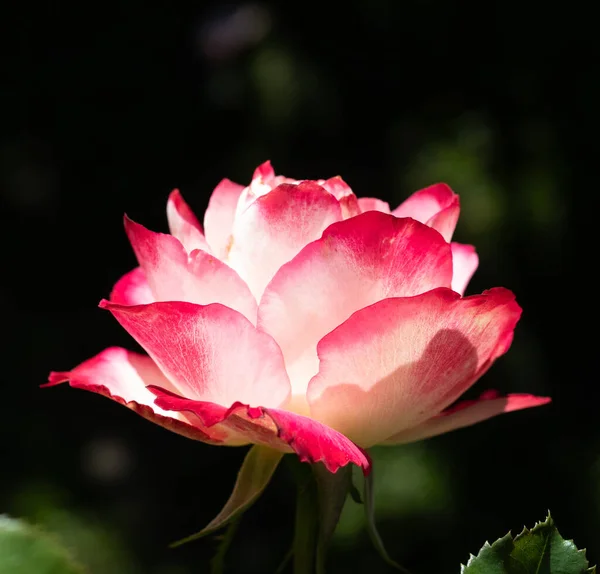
[[467, 413], [210, 353], [373, 204], [464, 265], [264, 172], [310, 440], [357, 262], [349, 206], [276, 226], [437, 206], [263, 181], [401, 361], [132, 289], [198, 278], [343, 193], [184, 225], [122, 375], [219, 216]]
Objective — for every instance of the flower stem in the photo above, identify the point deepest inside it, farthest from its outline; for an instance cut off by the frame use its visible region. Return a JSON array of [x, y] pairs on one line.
[[305, 526], [217, 564]]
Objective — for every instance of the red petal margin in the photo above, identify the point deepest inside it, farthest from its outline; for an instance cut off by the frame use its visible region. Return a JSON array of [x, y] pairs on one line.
[[110, 368], [282, 430], [467, 413]]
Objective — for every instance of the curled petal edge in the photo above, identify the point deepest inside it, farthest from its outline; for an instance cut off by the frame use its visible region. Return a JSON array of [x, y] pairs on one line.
[[466, 413], [180, 427], [279, 429]]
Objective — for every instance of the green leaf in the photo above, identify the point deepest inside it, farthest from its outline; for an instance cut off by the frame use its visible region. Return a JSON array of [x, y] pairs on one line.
[[254, 475], [25, 549], [541, 550], [369, 504]]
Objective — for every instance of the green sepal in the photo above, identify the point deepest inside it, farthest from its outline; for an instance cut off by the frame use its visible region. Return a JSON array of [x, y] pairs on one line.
[[369, 504], [320, 500], [332, 491], [541, 550], [253, 477], [25, 549]]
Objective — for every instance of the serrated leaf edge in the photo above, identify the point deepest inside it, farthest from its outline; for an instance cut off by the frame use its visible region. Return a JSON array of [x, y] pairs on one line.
[[548, 522], [485, 546]]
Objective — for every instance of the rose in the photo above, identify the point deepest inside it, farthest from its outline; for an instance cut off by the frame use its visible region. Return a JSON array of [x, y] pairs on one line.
[[306, 320]]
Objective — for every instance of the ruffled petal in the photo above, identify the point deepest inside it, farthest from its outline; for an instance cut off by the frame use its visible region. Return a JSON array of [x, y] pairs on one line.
[[276, 226], [401, 361], [219, 216], [467, 413], [200, 278], [464, 265], [210, 353], [132, 289], [184, 225], [123, 376], [356, 263], [437, 206], [282, 430]]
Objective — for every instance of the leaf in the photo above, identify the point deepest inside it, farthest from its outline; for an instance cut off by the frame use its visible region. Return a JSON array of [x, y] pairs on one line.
[[254, 475], [369, 503], [25, 549], [541, 550]]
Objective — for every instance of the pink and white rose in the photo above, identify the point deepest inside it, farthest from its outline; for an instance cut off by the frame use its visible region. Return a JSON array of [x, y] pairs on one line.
[[304, 319]]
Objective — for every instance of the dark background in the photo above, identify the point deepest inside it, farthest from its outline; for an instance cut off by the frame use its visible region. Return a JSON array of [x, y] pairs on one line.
[[106, 109]]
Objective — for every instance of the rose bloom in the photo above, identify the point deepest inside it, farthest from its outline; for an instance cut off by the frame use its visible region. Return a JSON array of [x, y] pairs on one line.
[[304, 319]]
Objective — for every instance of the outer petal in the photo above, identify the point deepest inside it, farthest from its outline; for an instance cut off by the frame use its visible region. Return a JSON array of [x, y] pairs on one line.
[[464, 265], [184, 225], [357, 262], [123, 376], [219, 216], [373, 204], [279, 429], [276, 226], [467, 413], [209, 353], [401, 361], [437, 206], [132, 289], [198, 278]]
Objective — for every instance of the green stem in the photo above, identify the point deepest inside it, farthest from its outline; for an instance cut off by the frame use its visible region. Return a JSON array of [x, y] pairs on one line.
[[217, 564], [285, 561], [305, 526], [372, 529]]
